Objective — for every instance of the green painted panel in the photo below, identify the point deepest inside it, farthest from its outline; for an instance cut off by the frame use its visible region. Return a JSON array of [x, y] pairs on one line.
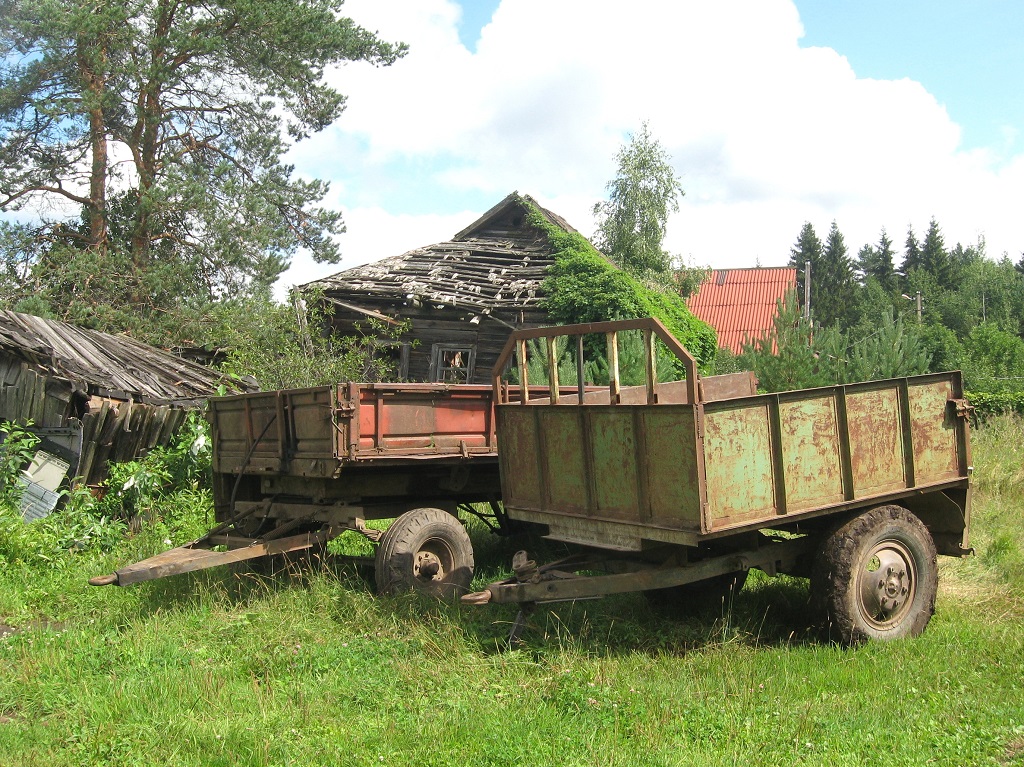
[[934, 432], [738, 462], [615, 469], [876, 441], [810, 452], [518, 456], [671, 457], [561, 435]]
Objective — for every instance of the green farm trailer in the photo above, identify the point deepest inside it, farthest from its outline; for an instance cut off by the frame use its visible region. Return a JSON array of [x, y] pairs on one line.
[[684, 486]]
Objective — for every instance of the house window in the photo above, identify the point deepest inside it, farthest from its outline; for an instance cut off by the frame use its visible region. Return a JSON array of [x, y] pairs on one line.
[[452, 363]]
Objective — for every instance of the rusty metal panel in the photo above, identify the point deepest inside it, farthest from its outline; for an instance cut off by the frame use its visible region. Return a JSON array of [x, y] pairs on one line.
[[312, 445], [247, 433], [613, 443], [426, 417], [875, 437], [564, 462], [810, 451], [934, 432], [671, 478], [518, 457], [738, 463]]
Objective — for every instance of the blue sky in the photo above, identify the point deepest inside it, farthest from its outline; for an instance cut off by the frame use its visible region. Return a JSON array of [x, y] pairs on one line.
[[968, 53], [873, 114], [870, 114], [776, 112]]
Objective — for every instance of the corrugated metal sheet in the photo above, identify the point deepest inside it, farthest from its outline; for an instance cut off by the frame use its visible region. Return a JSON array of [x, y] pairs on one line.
[[740, 304]]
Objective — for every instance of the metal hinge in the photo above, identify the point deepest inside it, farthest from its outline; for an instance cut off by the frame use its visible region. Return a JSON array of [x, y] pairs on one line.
[[963, 408]]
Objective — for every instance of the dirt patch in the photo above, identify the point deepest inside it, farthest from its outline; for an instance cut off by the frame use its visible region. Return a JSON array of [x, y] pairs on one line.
[[1014, 753], [7, 630]]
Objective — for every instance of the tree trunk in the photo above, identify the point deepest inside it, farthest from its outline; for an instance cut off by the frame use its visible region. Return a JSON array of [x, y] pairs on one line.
[[92, 59]]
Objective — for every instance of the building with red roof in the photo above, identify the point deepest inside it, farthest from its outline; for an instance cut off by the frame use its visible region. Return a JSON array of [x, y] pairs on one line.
[[741, 304]]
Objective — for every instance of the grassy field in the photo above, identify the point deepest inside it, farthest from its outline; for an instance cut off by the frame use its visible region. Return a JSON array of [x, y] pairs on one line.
[[225, 667]]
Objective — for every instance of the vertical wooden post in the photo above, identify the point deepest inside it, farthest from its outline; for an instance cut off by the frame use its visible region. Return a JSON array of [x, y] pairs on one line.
[[552, 369], [651, 367], [524, 381], [613, 368], [580, 386]]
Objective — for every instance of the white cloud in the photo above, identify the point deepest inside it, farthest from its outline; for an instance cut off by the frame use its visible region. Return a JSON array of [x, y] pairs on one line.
[[765, 134]]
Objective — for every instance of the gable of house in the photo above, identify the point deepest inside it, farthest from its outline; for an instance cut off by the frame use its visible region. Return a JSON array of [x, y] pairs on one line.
[[462, 296]]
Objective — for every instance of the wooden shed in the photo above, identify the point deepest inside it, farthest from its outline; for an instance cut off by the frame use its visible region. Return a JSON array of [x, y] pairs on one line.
[[95, 397], [462, 297]]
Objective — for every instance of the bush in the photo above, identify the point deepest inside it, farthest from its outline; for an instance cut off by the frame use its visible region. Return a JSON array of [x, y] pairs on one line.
[[582, 286], [168, 491]]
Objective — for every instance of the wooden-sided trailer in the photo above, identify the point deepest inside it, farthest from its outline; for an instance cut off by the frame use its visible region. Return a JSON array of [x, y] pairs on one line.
[[677, 488], [293, 469]]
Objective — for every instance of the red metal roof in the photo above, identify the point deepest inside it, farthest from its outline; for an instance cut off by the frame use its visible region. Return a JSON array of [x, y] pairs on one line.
[[740, 304]]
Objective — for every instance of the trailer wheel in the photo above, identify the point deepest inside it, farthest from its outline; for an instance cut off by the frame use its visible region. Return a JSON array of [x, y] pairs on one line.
[[876, 577], [427, 550]]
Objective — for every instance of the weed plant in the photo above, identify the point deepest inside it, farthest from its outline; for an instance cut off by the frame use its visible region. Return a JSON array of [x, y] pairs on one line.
[[309, 667]]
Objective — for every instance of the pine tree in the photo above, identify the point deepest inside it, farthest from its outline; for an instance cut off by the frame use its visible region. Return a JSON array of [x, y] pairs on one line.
[[808, 249], [876, 262], [934, 258], [836, 302], [911, 254]]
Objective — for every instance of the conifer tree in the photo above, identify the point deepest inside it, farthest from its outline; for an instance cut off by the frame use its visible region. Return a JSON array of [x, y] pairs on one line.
[[877, 262], [934, 258]]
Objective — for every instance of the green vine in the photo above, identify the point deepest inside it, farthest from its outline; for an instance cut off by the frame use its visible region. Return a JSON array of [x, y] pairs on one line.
[[582, 286]]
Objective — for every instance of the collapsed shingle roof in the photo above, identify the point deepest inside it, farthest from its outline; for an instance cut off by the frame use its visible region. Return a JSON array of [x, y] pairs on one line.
[[497, 263], [104, 364]]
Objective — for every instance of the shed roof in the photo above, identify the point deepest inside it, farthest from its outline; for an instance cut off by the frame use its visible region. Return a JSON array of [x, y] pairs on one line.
[[496, 263], [741, 304], [104, 364]]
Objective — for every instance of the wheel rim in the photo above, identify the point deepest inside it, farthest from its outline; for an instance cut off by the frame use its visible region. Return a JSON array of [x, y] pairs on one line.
[[888, 582], [433, 561]]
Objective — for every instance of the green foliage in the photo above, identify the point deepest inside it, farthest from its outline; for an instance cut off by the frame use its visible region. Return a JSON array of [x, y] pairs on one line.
[[786, 358], [166, 493], [582, 286], [631, 223], [166, 124], [794, 357], [16, 450], [877, 263], [833, 298], [137, 489], [267, 342], [988, 404], [995, 359]]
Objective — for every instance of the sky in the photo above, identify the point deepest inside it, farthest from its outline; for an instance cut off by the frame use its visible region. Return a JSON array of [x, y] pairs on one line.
[[870, 113]]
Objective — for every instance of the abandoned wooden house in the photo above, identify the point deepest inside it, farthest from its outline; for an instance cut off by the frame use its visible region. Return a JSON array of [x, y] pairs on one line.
[[462, 297], [95, 397]]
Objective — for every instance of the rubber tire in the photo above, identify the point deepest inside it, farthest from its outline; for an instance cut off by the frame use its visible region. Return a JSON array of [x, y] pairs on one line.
[[698, 597], [421, 536], [843, 589]]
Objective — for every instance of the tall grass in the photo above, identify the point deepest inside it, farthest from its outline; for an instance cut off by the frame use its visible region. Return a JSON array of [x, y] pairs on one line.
[[226, 667]]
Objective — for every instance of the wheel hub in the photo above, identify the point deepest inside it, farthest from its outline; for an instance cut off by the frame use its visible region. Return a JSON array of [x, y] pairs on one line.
[[427, 565], [888, 582]]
